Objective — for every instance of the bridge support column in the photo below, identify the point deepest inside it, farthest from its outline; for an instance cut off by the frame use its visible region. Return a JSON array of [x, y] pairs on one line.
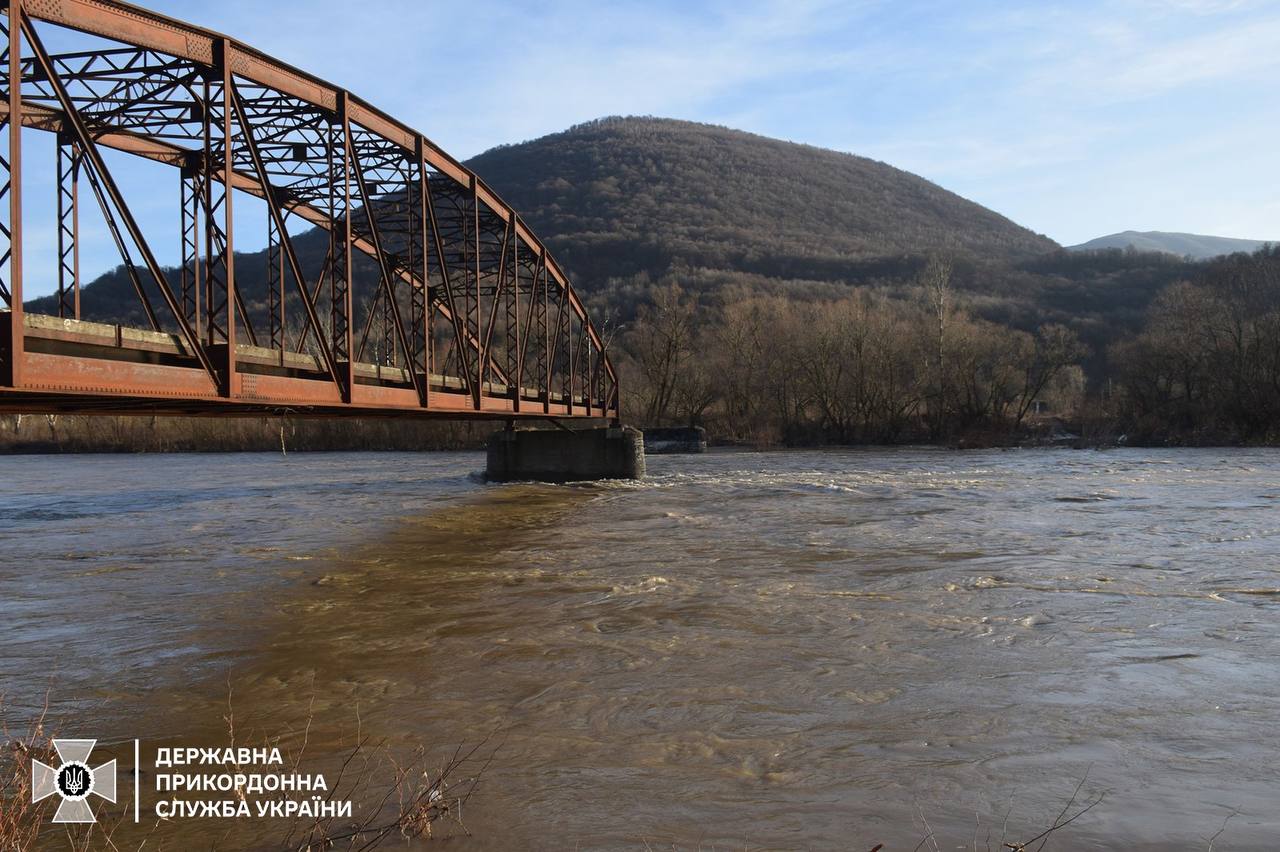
[[562, 455]]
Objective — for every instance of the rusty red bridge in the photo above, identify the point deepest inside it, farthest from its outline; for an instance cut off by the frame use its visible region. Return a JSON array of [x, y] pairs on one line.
[[459, 310]]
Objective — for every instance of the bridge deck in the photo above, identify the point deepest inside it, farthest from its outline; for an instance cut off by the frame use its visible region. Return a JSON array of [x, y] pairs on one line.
[[91, 367]]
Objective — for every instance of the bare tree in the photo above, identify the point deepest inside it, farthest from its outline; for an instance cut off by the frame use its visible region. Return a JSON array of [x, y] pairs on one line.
[[662, 341], [935, 278]]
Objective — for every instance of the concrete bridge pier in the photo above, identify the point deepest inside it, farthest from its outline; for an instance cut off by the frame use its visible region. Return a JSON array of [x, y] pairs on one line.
[[565, 455]]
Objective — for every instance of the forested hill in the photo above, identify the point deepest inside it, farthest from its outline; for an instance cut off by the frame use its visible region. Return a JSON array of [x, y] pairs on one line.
[[619, 196], [628, 204]]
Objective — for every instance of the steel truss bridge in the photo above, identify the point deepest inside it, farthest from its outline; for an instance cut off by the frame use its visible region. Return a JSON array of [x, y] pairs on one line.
[[465, 313]]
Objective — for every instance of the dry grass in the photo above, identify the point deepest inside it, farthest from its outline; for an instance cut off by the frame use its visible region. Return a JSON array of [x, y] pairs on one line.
[[1070, 813], [20, 820], [410, 807], [395, 796]]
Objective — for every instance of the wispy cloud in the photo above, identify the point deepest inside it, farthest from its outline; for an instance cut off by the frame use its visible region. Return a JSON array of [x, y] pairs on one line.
[[1124, 58]]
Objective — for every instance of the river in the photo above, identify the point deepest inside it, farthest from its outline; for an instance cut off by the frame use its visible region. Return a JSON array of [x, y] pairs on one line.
[[790, 650]]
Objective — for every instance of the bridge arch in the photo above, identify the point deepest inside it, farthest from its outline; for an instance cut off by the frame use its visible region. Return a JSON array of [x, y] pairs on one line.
[[465, 312]]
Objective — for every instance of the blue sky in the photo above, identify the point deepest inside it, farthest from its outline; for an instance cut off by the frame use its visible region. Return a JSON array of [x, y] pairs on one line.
[[1075, 120]]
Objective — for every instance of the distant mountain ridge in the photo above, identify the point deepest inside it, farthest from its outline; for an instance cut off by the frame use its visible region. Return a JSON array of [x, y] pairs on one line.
[[1196, 246]]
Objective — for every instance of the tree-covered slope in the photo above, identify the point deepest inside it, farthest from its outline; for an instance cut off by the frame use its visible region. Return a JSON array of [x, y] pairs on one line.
[[618, 196], [629, 203]]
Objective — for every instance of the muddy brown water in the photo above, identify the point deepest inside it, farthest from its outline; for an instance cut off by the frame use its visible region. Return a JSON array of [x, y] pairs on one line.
[[805, 650]]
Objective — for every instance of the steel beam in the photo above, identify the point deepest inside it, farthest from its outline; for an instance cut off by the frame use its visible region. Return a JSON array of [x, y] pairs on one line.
[[13, 362], [68, 228]]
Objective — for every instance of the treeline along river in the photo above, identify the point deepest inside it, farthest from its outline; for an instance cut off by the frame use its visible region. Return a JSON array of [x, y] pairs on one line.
[[782, 650]]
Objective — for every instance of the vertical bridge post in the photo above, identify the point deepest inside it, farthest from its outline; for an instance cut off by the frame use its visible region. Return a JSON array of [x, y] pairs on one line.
[[12, 362]]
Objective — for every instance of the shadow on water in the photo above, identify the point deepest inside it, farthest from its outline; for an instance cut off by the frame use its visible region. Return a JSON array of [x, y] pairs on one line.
[[374, 628], [370, 643]]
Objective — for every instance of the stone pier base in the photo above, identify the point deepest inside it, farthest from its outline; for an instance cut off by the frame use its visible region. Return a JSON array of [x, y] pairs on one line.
[[556, 455], [688, 439]]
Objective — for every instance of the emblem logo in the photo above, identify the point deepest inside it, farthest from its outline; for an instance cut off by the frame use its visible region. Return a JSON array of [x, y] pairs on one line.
[[73, 780]]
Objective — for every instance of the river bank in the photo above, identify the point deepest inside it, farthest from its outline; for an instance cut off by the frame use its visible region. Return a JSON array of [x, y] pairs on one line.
[[44, 434], [52, 434]]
